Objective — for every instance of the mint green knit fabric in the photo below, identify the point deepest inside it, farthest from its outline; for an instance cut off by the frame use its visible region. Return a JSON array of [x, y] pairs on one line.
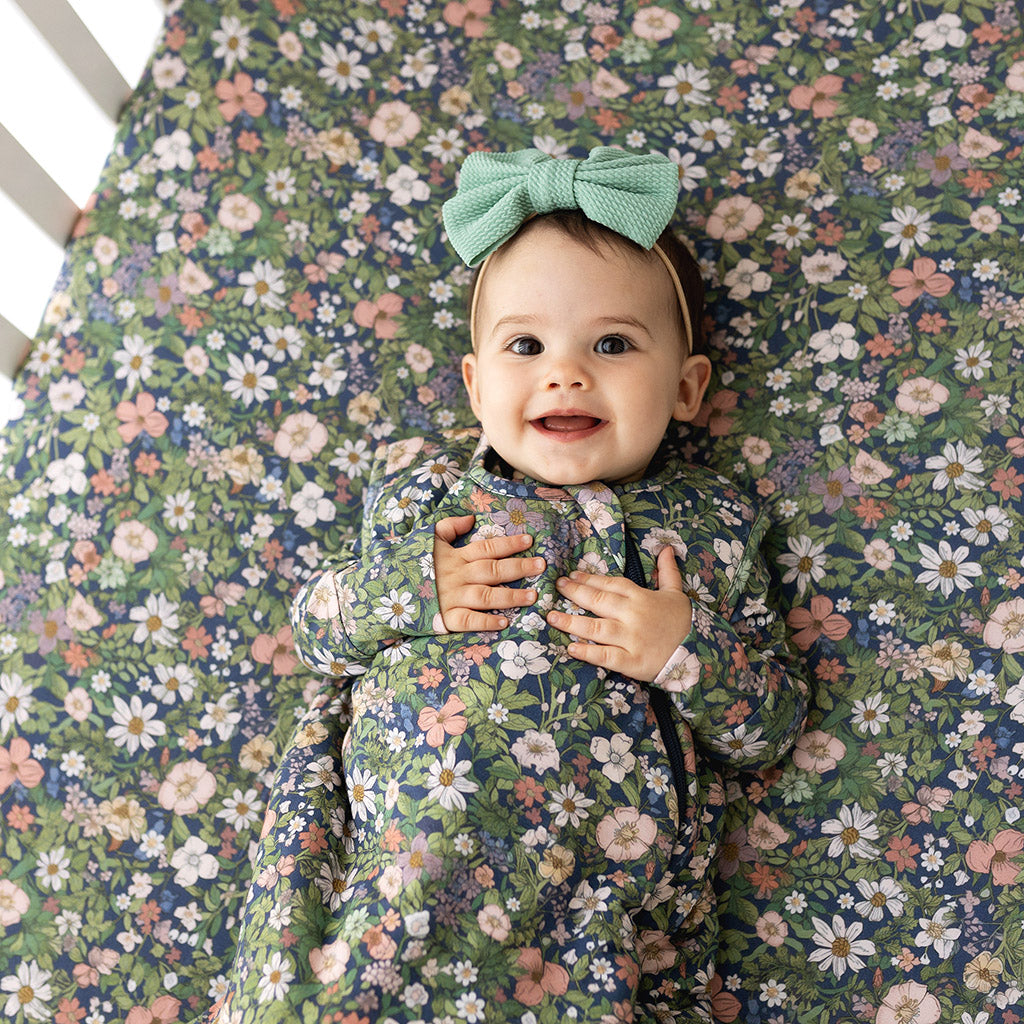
[[634, 194]]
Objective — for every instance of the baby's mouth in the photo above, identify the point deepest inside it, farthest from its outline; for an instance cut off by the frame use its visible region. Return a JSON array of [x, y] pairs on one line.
[[568, 424]]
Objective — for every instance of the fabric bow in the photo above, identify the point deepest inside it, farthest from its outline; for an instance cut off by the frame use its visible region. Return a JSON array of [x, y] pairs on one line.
[[634, 194]]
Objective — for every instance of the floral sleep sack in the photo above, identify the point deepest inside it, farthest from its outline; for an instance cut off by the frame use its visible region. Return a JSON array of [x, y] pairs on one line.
[[474, 827]]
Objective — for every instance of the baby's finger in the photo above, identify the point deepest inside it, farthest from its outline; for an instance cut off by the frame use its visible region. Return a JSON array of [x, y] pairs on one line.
[[493, 571], [615, 659], [465, 620], [483, 598], [603, 595], [601, 631], [496, 547], [449, 529], [669, 577]]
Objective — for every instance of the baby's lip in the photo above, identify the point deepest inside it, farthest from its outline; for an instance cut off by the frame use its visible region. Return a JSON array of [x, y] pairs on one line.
[[567, 423]]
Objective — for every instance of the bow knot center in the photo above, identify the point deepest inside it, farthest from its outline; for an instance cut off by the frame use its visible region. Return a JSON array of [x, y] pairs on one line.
[[550, 184]]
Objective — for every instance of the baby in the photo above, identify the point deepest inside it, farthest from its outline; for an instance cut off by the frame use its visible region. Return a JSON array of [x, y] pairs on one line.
[[531, 796]]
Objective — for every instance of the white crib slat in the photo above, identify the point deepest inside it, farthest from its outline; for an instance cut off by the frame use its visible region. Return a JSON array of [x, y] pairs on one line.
[[12, 348], [34, 190], [65, 31]]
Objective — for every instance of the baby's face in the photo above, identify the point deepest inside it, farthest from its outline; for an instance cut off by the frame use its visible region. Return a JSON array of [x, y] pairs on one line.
[[579, 364]]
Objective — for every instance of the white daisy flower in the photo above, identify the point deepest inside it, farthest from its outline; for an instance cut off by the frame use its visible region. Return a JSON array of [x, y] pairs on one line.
[[946, 569], [853, 829], [839, 947], [448, 781]]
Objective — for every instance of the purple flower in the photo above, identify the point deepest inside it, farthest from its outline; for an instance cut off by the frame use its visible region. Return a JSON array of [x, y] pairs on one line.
[[50, 629], [516, 516], [942, 163], [165, 293], [835, 488]]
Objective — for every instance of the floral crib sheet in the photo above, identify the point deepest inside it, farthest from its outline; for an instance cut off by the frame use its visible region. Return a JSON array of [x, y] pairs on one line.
[[260, 294]]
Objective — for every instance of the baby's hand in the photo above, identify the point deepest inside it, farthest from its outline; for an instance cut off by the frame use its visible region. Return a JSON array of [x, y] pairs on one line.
[[469, 578], [635, 630]]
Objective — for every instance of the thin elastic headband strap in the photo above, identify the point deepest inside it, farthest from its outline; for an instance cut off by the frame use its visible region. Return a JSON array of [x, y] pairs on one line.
[[676, 283]]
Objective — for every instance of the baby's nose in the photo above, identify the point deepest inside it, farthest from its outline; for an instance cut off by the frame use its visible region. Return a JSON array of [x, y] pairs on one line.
[[566, 374]]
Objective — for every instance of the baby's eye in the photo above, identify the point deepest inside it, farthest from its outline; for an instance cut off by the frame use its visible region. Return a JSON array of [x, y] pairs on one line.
[[525, 346], [612, 345]]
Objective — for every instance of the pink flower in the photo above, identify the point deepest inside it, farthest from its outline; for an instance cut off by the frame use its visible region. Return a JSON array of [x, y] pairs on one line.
[[1015, 76], [771, 929], [765, 834], [395, 124], [133, 541], [163, 1011], [78, 704], [1005, 627], [189, 785], [468, 16], [301, 437], [818, 752], [920, 396], [444, 721], [906, 1002], [817, 620], [654, 951], [626, 834], [238, 95], [378, 315], [997, 856], [494, 922], [655, 24], [540, 979], [277, 651], [140, 417], [928, 800], [13, 903], [17, 765], [734, 218], [817, 98], [329, 961], [239, 212], [921, 277]]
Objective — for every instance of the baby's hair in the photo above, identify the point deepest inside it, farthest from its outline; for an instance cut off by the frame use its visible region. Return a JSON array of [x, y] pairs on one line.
[[580, 228]]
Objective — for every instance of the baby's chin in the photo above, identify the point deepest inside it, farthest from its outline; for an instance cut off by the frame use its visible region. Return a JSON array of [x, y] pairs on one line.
[[567, 477]]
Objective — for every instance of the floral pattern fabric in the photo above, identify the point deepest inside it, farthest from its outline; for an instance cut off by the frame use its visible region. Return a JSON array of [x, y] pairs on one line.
[[260, 292], [507, 829]]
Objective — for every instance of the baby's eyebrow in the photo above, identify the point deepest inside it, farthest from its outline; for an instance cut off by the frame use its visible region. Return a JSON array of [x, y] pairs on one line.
[[515, 318], [626, 321]]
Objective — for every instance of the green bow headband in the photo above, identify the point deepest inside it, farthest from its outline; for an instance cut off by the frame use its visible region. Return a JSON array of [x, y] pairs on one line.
[[634, 194]]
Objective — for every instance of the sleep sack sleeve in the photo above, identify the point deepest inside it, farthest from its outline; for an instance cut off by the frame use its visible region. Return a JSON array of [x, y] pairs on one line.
[[378, 593], [736, 678]]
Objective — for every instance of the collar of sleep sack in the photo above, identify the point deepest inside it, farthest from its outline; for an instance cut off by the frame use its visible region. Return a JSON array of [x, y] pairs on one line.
[[489, 471], [676, 283]]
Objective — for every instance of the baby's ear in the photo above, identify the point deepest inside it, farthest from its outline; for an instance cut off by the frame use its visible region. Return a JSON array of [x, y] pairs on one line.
[[469, 378], [693, 382]]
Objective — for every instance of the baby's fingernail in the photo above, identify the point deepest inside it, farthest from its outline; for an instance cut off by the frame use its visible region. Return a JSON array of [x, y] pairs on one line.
[[502, 623], [539, 564]]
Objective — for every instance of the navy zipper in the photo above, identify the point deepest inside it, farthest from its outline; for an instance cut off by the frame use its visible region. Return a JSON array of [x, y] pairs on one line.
[[660, 703]]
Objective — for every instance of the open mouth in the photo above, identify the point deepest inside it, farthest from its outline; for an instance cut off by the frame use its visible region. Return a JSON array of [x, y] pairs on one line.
[[568, 425]]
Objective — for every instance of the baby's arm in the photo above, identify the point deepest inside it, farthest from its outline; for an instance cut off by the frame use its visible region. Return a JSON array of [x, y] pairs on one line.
[[417, 584], [365, 601]]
